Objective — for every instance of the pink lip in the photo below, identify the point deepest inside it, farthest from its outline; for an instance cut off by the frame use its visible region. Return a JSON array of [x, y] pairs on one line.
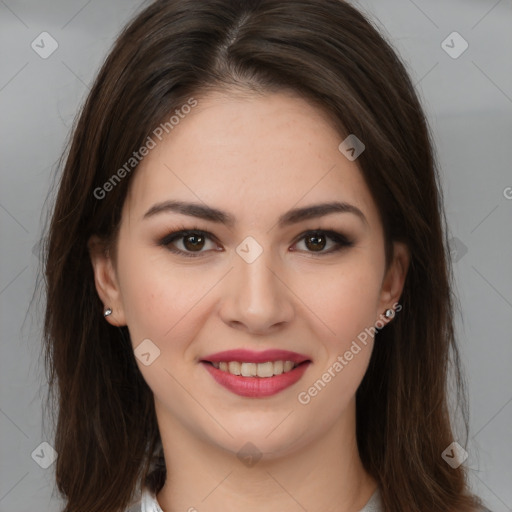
[[249, 356], [255, 387]]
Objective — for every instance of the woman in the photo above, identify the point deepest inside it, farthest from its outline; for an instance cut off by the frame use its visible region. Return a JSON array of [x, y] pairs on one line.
[[248, 289]]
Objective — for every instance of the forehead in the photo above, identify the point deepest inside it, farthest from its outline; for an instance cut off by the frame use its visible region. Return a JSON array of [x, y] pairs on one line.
[[250, 155]]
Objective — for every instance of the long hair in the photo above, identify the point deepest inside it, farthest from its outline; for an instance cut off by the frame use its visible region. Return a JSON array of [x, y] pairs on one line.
[[331, 55]]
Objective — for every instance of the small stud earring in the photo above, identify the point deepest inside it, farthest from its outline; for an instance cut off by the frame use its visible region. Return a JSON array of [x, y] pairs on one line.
[[108, 312], [389, 313]]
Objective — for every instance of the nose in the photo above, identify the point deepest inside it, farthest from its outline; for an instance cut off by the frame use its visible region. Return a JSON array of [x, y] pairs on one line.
[[256, 298]]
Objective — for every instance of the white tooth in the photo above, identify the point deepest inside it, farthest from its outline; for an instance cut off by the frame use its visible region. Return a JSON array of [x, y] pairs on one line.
[[265, 369], [234, 367], [248, 369], [288, 365], [278, 367]]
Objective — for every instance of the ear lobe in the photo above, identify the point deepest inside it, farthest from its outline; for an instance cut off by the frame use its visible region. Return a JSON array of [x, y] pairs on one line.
[[105, 280], [394, 279]]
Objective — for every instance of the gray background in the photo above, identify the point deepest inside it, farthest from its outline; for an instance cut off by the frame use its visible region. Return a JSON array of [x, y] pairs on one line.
[[468, 101]]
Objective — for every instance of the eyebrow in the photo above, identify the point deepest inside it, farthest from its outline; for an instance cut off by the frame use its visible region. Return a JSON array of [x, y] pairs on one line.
[[291, 217]]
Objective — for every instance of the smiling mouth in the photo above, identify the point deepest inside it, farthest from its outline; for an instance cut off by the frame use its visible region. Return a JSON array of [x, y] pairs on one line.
[[263, 370]]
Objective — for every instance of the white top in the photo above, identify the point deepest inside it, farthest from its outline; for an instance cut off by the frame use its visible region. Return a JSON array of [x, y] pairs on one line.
[[149, 503]]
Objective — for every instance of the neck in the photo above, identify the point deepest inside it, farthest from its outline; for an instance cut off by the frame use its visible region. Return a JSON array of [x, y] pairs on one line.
[[321, 475]]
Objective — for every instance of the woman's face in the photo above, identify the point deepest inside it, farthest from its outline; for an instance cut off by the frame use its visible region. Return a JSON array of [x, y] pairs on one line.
[[259, 282]]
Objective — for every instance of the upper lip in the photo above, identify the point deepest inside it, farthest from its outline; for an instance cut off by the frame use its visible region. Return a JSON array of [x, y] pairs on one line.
[[249, 356]]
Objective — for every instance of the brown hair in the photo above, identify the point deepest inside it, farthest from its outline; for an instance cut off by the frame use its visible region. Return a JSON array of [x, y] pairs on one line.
[[330, 54]]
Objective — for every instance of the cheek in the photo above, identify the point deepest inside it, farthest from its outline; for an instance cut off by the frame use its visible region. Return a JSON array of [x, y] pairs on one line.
[[146, 295], [159, 299], [346, 305], [342, 298]]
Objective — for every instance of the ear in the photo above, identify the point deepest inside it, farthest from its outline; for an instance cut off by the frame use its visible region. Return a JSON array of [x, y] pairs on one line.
[[394, 280], [106, 281]]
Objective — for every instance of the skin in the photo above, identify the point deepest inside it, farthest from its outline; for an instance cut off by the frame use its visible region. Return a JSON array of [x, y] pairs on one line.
[[255, 157]]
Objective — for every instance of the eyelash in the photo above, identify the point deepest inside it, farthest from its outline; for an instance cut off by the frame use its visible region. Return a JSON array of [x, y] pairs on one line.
[[341, 240]]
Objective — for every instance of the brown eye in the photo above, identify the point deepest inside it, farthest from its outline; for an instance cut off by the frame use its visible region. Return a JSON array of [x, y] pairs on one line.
[[315, 242], [193, 242]]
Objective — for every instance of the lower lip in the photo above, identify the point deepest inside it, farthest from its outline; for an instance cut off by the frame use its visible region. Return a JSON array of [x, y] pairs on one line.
[[256, 387]]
